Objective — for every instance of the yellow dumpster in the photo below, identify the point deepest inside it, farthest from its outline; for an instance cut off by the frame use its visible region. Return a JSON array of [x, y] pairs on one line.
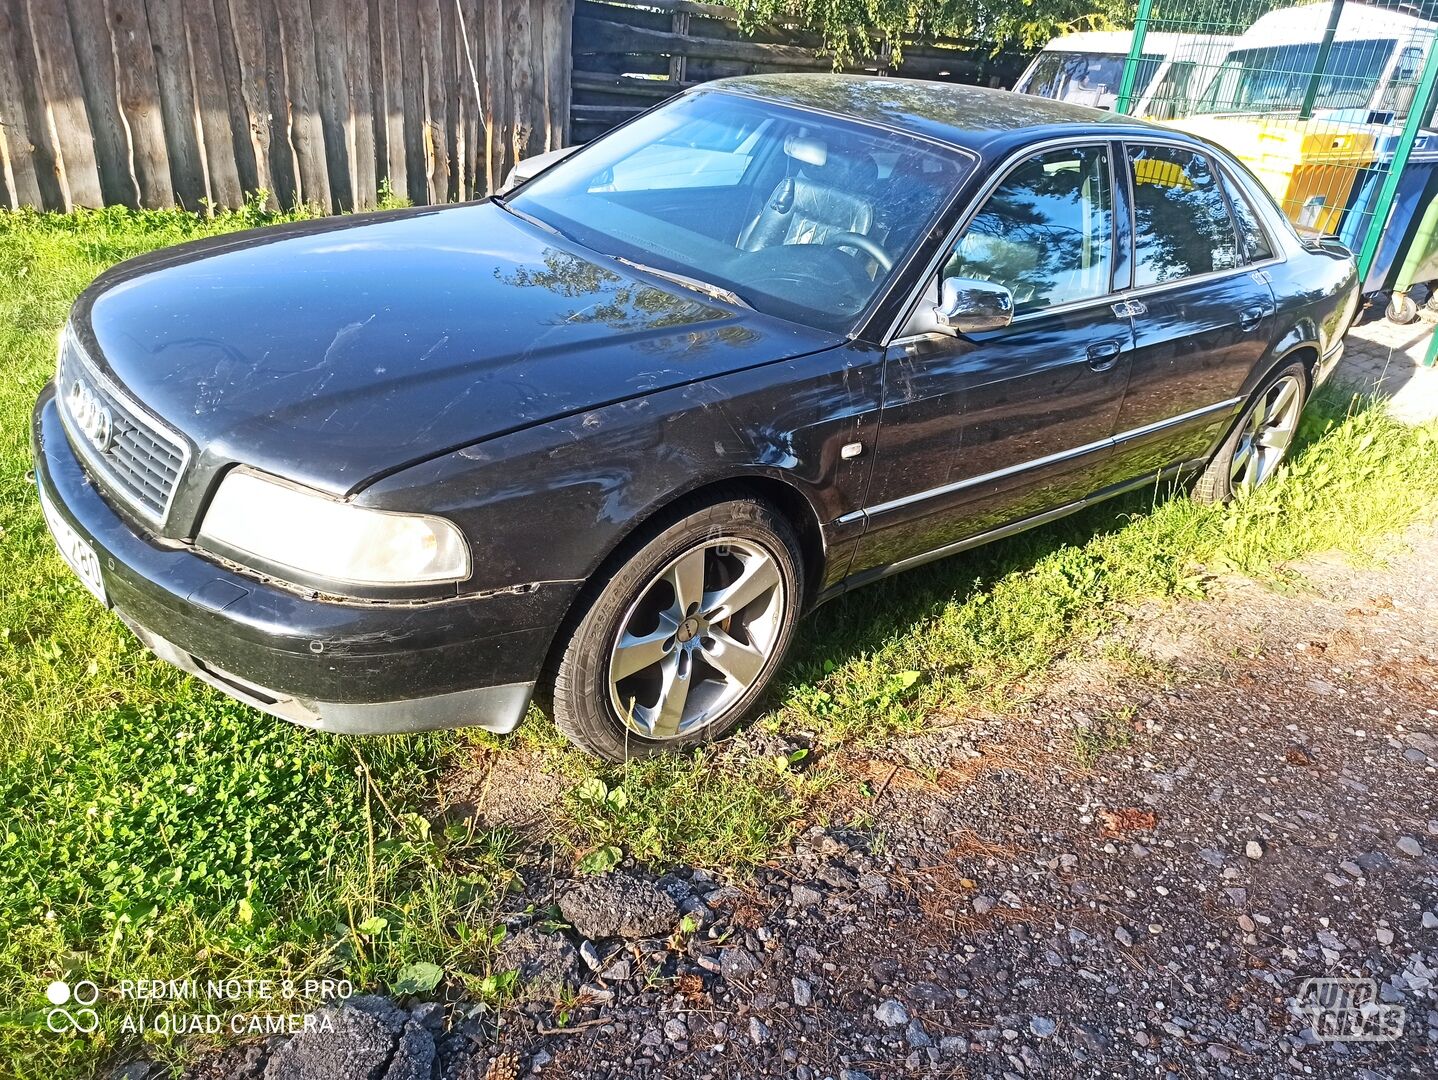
[[1310, 166]]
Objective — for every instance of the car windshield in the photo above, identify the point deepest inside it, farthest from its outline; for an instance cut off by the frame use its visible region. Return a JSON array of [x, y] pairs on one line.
[[798, 214], [1085, 78], [1262, 80]]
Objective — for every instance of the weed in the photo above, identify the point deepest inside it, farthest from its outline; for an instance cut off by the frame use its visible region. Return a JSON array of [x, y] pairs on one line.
[[152, 827]]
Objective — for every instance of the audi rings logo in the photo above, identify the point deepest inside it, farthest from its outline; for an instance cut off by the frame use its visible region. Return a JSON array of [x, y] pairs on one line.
[[91, 415], [72, 1007]]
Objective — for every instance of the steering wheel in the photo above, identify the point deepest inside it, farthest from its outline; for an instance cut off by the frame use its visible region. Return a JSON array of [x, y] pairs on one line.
[[860, 242]]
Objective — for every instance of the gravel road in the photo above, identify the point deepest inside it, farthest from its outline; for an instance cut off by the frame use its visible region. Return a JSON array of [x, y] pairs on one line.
[[1132, 874]]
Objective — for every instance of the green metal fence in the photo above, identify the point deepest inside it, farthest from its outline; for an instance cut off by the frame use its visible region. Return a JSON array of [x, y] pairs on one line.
[[1330, 103]]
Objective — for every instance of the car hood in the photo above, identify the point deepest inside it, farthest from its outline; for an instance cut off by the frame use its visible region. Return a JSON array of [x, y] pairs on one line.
[[338, 350]]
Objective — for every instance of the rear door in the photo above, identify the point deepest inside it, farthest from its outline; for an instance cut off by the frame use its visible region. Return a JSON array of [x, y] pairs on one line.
[[985, 428], [1203, 314]]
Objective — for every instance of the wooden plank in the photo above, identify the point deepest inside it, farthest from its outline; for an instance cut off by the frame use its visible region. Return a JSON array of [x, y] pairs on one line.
[[361, 105], [306, 131], [41, 131], [606, 83], [560, 60], [244, 22], [679, 24], [138, 83], [471, 56], [252, 176], [520, 80], [217, 122], [284, 161], [447, 62], [65, 99], [374, 47], [392, 88], [416, 121], [431, 40], [63, 95], [599, 36], [96, 62], [177, 101], [606, 114], [16, 143], [537, 116], [497, 103], [329, 29]]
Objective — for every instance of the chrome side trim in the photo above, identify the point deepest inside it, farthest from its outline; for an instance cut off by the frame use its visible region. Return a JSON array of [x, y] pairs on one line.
[[1036, 463], [864, 577], [1022, 525], [1174, 421], [983, 478]]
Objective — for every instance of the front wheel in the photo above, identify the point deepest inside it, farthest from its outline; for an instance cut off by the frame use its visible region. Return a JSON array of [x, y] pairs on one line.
[[1259, 441], [676, 646]]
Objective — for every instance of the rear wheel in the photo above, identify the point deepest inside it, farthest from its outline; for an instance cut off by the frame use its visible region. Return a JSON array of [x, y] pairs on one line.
[[676, 647], [1259, 441]]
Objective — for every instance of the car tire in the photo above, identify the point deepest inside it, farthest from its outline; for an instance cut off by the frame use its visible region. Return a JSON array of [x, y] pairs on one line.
[[1261, 438], [656, 661]]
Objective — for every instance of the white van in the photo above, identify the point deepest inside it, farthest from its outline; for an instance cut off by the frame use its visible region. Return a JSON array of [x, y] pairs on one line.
[[1087, 67], [1370, 75]]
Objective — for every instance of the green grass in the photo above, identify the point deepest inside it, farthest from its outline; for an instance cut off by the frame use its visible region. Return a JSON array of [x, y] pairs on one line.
[[153, 828]]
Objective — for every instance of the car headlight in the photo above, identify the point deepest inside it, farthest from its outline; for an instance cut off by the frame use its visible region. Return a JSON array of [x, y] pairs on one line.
[[255, 517]]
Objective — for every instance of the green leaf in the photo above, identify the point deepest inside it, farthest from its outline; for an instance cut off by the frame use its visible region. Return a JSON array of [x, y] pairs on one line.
[[600, 860], [417, 978], [375, 924], [592, 790], [618, 798]]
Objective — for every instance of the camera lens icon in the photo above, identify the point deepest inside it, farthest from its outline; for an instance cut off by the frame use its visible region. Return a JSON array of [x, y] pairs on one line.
[[83, 1019]]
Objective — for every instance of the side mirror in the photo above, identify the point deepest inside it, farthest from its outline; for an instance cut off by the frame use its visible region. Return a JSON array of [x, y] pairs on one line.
[[533, 166], [967, 306]]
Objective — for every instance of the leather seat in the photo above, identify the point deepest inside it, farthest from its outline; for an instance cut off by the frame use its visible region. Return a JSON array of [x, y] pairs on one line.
[[810, 207]]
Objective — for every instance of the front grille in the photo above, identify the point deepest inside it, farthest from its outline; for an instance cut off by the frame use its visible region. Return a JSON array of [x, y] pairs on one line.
[[129, 453]]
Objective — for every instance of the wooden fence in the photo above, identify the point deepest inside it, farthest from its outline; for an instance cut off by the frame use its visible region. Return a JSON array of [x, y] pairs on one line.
[[631, 54], [323, 102]]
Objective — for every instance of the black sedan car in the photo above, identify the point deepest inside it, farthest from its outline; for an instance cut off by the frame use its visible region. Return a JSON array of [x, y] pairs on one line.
[[608, 436]]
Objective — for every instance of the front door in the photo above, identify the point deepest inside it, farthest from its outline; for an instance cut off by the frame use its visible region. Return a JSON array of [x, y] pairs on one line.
[[982, 429]]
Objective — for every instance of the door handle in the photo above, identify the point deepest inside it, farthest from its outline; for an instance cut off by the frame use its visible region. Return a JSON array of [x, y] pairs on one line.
[[1249, 319], [1103, 355]]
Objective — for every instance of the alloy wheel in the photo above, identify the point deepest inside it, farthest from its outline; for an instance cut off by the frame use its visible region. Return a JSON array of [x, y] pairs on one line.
[[1267, 433], [699, 636]]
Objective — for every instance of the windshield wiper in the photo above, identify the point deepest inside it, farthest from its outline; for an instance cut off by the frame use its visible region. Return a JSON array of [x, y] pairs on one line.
[[500, 202], [717, 292]]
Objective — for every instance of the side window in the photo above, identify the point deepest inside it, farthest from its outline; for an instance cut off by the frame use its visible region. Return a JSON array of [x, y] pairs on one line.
[[1181, 222], [1252, 239], [1046, 232]]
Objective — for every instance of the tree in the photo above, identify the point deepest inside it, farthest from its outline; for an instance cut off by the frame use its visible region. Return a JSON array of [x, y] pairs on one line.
[[854, 29]]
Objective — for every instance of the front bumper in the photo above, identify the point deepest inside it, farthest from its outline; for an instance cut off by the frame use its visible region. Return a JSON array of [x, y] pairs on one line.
[[358, 668]]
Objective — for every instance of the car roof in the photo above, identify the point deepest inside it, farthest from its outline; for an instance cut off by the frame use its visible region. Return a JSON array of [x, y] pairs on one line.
[[987, 122]]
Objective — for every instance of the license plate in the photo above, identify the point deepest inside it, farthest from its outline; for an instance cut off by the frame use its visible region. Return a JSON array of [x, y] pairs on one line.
[[76, 551]]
